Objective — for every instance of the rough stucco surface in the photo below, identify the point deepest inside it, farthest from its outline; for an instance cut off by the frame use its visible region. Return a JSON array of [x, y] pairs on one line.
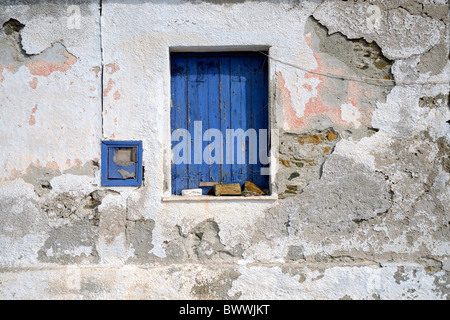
[[361, 169]]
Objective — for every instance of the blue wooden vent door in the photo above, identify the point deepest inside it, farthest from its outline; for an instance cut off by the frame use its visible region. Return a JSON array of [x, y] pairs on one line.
[[212, 93]]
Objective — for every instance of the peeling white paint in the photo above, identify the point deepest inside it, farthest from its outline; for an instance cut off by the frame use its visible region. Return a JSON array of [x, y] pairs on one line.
[[348, 282], [350, 113], [21, 251]]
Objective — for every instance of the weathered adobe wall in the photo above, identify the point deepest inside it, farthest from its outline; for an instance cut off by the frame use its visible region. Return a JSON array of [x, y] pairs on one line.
[[362, 169]]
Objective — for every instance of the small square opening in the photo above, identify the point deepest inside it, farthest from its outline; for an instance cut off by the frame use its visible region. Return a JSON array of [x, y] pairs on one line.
[[121, 163]]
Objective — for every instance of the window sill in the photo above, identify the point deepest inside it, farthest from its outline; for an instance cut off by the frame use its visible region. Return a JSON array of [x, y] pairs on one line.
[[272, 198]]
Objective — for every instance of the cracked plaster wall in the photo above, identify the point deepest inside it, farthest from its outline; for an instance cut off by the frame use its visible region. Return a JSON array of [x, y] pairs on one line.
[[361, 168]]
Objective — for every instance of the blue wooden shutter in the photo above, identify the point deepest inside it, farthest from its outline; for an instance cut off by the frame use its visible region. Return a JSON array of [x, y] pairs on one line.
[[222, 91]]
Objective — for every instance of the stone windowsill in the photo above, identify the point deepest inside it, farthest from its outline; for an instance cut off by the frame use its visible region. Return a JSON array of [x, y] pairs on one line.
[[202, 198]]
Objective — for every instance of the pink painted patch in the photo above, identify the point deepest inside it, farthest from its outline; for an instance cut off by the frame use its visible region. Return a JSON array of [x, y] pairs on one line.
[[13, 175], [313, 107], [96, 69], [316, 106], [43, 68], [289, 114], [112, 68], [2, 78], [307, 87], [52, 165], [116, 95], [108, 87], [308, 39], [319, 105], [34, 83], [32, 120], [11, 68]]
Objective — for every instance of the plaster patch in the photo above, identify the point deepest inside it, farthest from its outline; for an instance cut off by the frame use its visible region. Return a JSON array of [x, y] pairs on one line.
[[71, 243], [139, 236], [113, 252], [81, 184], [353, 282], [345, 72], [265, 252], [21, 252], [351, 114], [363, 151], [413, 34]]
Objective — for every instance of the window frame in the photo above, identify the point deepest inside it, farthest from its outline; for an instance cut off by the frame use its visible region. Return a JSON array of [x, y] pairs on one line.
[[273, 134]]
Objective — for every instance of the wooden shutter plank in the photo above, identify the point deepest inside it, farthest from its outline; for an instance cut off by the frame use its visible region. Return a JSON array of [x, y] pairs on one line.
[[213, 114], [178, 115], [237, 117], [225, 114], [193, 115], [247, 114], [202, 115]]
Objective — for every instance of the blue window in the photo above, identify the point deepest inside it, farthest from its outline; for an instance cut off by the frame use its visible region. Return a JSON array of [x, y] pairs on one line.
[[219, 119], [121, 163]]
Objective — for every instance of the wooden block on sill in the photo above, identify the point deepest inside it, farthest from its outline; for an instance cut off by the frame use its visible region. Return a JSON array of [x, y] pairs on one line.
[[232, 189], [252, 189]]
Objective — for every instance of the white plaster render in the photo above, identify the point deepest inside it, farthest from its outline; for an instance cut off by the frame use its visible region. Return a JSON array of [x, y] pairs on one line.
[[323, 243], [366, 283], [50, 127], [135, 282]]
